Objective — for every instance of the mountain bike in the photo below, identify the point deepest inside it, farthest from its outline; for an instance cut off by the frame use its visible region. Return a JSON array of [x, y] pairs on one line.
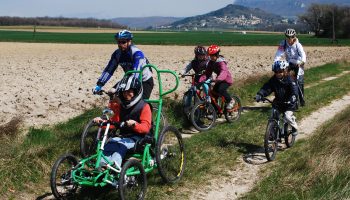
[[164, 151], [88, 138], [191, 96], [277, 128], [204, 113]]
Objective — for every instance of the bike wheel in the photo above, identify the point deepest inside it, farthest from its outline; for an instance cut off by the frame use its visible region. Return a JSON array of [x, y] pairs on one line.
[[163, 121], [271, 140], [170, 155], [132, 182], [62, 185], [203, 116], [235, 113], [88, 139], [289, 139]]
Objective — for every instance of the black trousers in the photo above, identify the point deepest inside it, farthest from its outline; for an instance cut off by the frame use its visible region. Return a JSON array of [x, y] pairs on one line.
[[221, 88]]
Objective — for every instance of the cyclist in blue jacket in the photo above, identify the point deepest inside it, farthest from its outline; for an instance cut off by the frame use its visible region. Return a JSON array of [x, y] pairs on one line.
[[285, 90], [129, 57]]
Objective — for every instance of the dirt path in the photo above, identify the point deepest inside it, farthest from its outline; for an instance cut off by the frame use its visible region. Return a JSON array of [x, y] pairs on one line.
[[246, 174]]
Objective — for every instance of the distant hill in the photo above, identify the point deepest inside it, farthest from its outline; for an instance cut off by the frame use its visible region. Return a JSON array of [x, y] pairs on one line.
[[58, 21], [231, 16], [288, 8], [145, 22]]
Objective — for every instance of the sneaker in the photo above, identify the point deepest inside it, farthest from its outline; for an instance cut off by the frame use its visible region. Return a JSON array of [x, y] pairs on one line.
[[302, 103], [294, 132], [207, 99], [230, 105]]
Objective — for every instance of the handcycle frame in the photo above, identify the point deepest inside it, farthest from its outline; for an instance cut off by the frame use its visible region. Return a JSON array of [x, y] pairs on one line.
[[87, 172], [277, 128]]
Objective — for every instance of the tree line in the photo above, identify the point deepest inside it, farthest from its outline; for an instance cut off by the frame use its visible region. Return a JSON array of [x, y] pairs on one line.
[[327, 20], [59, 21]]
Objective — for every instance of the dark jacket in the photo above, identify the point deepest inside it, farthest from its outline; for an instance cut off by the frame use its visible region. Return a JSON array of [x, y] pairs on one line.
[[284, 90]]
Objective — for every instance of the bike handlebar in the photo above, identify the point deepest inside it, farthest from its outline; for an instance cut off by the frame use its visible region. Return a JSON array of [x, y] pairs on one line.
[[264, 100], [102, 92]]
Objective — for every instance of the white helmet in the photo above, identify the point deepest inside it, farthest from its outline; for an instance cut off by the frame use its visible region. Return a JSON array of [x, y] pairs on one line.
[[290, 33], [279, 65]]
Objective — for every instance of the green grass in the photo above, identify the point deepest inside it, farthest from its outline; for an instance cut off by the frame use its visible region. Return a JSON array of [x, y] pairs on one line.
[[27, 162], [169, 38], [316, 169]]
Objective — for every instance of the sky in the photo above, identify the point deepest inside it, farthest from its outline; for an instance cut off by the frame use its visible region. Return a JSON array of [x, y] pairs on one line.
[[107, 9]]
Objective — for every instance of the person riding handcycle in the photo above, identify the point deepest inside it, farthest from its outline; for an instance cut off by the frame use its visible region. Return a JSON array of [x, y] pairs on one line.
[[285, 90], [137, 117]]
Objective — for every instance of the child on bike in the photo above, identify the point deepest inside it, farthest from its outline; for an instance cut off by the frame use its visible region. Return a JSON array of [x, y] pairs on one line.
[[223, 81], [136, 115], [285, 90], [198, 64]]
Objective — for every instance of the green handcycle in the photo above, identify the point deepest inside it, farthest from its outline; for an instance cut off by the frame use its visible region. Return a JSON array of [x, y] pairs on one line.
[[164, 151]]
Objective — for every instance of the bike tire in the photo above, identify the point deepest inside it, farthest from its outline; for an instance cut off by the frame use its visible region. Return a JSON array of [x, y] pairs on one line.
[[163, 120], [61, 183], [203, 116], [132, 183], [235, 113], [271, 140], [289, 139], [88, 139], [170, 155]]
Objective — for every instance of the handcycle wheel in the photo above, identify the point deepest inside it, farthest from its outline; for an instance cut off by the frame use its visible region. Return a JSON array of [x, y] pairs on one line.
[[62, 185], [203, 116], [163, 121], [271, 140], [88, 139], [170, 155], [235, 113], [288, 137], [132, 183]]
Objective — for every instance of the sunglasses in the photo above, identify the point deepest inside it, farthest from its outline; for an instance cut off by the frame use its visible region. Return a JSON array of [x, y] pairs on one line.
[[290, 37], [122, 41]]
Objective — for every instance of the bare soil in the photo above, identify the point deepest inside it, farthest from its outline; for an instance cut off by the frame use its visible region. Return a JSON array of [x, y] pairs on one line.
[[44, 84]]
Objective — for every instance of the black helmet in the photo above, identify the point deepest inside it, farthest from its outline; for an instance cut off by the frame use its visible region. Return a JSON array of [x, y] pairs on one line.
[[127, 83], [200, 50]]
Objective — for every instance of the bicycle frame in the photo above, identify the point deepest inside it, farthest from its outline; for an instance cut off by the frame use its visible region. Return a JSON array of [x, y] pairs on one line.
[[82, 173]]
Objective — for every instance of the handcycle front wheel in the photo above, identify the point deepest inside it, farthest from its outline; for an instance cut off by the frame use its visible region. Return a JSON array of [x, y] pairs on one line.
[[132, 183], [235, 113], [170, 155], [203, 116], [271, 140], [88, 139], [62, 185]]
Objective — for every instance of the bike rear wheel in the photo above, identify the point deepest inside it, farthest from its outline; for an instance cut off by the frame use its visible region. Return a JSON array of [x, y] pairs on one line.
[[170, 155], [271, 140], [62, 185], [289, 139], [235, 113], [203, 116]]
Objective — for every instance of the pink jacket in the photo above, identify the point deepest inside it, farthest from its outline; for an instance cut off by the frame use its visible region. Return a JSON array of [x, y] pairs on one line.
[[220, 68]]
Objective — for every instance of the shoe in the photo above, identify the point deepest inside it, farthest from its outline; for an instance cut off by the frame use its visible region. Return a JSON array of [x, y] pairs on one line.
[[207, 99], [230, 105], [210, 117], [302, 103]]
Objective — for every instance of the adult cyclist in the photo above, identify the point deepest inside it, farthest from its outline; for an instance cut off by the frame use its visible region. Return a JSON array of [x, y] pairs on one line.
[[129, 57], [295, 55]]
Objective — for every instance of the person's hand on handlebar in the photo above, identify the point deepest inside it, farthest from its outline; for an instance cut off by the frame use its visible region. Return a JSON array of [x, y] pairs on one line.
[[130, 123], [97, 89]]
